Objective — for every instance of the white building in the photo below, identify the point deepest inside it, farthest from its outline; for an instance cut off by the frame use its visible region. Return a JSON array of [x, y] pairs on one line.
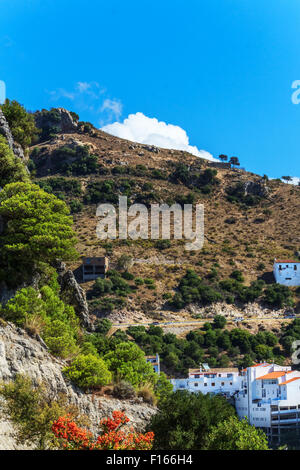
[[205, 380], [268, 395], [287, 272]]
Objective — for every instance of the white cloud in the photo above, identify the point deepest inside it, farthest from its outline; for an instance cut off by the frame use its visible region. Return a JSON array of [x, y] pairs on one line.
[[61, 93], [140, 128], [113, 107], [295, 180], [83, 86], [89, 97], [81, 90]]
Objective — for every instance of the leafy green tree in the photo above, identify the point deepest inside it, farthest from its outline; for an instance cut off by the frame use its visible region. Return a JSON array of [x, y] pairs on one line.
[[88, 371], [127, 362], [219, 321], [21, 123], [102, 286], [237, 275], [59, 337], [192, 289], [47, 315], [125, 262], [26, 302], [37, 228], [233, 434], [263, 352], [184, 419], [103, 326], [278, 295], [11, 168], [234, 161], [171, 360], [163, 387]]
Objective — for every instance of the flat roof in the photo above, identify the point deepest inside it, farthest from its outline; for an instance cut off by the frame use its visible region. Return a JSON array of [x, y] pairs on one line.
[[100, 260], [278, 261], [213, 371]]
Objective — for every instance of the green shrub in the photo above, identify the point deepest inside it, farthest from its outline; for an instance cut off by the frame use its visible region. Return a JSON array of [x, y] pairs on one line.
[[103, 326], [278, 295], [88, 371], [184, 420], [32, 411], [21, 123], [75, 206], [102, 286], [11, 168], [192, 289], [124, 390], [55, 321], [127, 362], [162, 244], [233, 434], [74, 161]]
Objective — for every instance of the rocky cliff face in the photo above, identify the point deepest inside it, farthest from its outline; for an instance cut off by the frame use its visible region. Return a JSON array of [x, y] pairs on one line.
[[74, 295], [22, 354], [59, 119]]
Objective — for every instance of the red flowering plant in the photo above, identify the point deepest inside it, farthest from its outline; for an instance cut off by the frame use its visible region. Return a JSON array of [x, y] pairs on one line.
[[71, 437]]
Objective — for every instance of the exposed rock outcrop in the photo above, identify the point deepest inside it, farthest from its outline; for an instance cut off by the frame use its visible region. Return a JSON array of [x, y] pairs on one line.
[[74, 295], [21, 354], [256, 188], [58, 118]]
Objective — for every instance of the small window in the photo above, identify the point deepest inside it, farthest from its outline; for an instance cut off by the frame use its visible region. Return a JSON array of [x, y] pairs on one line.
[[213, 384], [205, 385], [222, 383], [196, 385], [88, 269], [295, 267], [280, 267]]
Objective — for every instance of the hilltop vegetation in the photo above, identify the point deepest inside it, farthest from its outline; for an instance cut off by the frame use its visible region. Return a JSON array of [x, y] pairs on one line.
[[243, 219]]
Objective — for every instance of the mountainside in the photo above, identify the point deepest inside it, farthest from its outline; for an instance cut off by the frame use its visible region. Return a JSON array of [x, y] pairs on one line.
[[249, 220], [54, 328]]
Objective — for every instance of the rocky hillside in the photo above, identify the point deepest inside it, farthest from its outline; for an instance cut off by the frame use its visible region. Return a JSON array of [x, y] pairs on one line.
[[249, 220], [22, 354]]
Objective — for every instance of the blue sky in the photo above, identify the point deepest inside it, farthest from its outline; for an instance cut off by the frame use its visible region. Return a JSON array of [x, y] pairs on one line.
[[222, 70]]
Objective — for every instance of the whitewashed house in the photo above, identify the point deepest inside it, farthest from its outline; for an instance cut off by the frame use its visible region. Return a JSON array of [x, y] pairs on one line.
[[287, 272], [218, 381], [270, 398], [268, 395]]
